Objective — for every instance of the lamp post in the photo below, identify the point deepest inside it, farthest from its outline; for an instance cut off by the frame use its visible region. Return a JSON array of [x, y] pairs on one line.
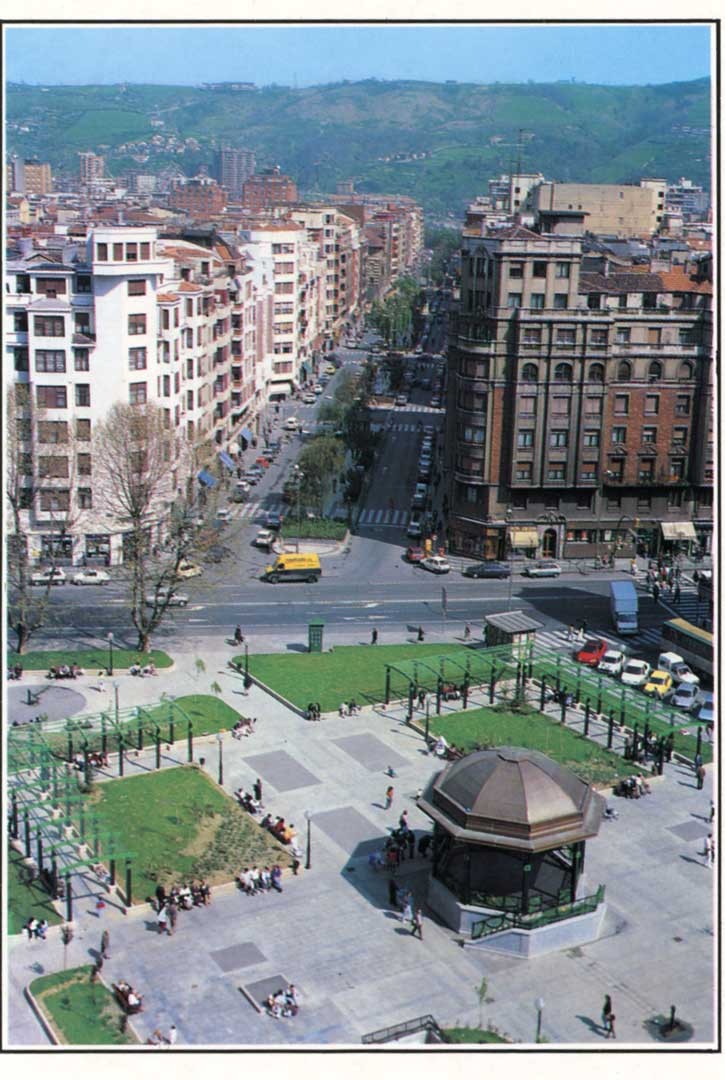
[[115, 691], [299, 477], [110, 653], [510, 553], [308, 859], [219, 739], [539, 1003]]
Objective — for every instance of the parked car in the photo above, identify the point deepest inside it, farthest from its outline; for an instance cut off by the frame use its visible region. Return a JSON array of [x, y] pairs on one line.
[[419, 495], [224, 514], [591, 652], [436, 564], [685, 696], [612, 662], [273, 520], [91, 577], [53, 576], [317, 388], [635, 673], [415, 554], [273, 447], [415, 528], [435, 402], [188, 569], [704, 707], [291, 423], [545, 568], [309, 398], [163, 595], [487, 570], [401, 399], [658, 684], [265, 538]]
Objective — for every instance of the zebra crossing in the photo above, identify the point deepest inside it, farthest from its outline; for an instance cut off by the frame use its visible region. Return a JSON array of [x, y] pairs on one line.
[[394, 519], [411, 407], [396, 427]]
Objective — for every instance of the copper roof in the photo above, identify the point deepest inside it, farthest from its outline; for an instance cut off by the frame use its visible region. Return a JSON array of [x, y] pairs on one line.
[[514, 798]]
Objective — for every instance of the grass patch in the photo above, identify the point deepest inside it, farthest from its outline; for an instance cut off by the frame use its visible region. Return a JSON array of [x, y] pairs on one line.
[[350, 671], [81, 1013], [490, 727], [25, 901], [470, 1035], [181, 826], [314, 530], [91, 660]]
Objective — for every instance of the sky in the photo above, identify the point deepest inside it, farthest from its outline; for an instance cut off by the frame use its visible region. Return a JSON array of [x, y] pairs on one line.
[[311, 55]]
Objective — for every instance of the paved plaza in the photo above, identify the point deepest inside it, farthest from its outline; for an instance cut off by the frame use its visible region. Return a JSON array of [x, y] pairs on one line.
[[332, 933]]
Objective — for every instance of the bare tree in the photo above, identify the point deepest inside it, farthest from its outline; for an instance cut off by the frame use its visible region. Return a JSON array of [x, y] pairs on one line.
[[144, 475]]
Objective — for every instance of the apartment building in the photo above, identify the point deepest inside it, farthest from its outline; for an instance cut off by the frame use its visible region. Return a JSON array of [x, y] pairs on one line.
[[92, 167], [392, 227], [579, 405], [127, 316], [338, 239], [199, 197], [234, 166], [26, 177], [268, 189], [611, 209]]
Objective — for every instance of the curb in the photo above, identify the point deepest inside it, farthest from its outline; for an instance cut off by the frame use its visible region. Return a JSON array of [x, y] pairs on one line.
[[41, 1017]]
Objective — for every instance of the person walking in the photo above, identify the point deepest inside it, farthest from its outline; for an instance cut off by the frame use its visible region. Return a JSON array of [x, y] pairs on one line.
[[467, 632], [570, 632], [421, 634], [633, 568], [708, 852], [417, 924], [606, 1011], [162, 920], [238, 636], [403, 821], [374, 636], [173, 910], [257, 789], [655, 592], [712, 811], [105, 944], [407, 915], [389, 794], [678, 592], [701, 774], [611, 1033]]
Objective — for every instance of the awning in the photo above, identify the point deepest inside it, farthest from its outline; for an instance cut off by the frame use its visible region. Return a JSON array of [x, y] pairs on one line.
[[226, 460], [246, 434], [678, 530], [206, 478], [524, 538]]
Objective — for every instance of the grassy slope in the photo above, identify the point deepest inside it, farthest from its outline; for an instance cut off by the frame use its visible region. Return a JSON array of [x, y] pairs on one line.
[[82, 1013]]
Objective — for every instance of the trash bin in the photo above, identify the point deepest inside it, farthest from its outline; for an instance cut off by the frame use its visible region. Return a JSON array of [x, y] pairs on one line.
[[314, 636]]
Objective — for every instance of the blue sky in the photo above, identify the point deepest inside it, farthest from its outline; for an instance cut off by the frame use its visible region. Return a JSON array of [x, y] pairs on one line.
[[307, 55]]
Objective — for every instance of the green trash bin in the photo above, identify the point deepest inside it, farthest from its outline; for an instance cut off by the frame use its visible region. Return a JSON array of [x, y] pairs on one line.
[[314, 636]]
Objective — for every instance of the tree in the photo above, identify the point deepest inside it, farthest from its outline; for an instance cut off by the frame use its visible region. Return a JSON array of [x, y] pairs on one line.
[[144, 474], [320, 461]]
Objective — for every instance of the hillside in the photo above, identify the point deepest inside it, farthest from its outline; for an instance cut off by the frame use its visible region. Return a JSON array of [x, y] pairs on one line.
[[460, 133]]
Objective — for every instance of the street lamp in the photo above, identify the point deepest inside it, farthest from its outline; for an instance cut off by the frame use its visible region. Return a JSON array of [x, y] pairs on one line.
[[110, 653], [308, 859], [299, 477], [219, 739], [115, 691], [510, 552], [539, 1003]]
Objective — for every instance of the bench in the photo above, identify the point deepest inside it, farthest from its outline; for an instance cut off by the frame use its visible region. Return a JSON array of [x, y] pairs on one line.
[[121, 996]]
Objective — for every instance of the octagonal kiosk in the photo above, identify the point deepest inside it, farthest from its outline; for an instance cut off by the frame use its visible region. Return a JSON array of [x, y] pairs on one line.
[[510, 827]]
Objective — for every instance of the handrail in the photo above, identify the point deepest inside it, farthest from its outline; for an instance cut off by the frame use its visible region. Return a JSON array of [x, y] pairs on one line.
[[494, 924], [407, 1027]]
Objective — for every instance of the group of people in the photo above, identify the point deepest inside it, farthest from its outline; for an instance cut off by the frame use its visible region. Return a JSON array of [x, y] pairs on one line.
[[401, 899], [445, 750], [179, 898], [244, 726], [348, 708], [633, 787], [284, 833], [65, 671], [253, 881], [36, 928], [283, 1002], [130, 999], [16, 671], [142, 670], [313, 711]]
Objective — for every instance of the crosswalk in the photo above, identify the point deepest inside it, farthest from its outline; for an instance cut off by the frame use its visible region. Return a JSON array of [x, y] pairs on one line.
[[411, 407], [396, 427], [397, 519]]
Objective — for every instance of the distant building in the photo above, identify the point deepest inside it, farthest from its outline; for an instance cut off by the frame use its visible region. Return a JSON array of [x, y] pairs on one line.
[[234, 167], [29, 177], [199, 197], [92, 166], [267, 189], [612, 209], [688, 199]]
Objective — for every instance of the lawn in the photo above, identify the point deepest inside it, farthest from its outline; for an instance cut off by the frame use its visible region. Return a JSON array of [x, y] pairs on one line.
[[350, 671], [490, 727], [82, 1013], [25, 901], [181, 826], [319, 529], [91, 660], [470, 1035]]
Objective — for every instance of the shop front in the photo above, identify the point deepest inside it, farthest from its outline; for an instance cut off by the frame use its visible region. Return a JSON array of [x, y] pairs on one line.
[[678, 538]]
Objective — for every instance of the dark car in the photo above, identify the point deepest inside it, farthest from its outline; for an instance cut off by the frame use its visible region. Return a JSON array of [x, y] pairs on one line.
[[487, 570], [273, 520], [415, 554]]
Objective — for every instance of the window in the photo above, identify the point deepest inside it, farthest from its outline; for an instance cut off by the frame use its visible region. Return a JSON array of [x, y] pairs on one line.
[[20, 321], [563, 373], [563, 270], [566, 338], [81, 360], [624, 371], [644, 502], [619, 435], [85, 499], [51, 397], [590, 438], [50, 360], [137, 393], [145, 250], [614, 502], [50, 287], [82, 323], [83, 430], [53, 467], [682, 405], [674, 497], [519, 499], [623, 300], [52, 431], [615, 472], [646, 471], [652, 404], [654, 372], [529, 373], [516, 270], [102, 252], [539, 269], [131, 252], [523, 471], [654, 336], [596, 373], [551, 502], [559, 438], [471, 494], [560, 406], [537, 301], [685, 371], [83, 395], [117, 252], [594, 301], [55, 500], [621, 404], [589, 471], [84, 464], [21, 358], [532, 335], [525, 438], [528, 406], [561, 300], [556, 472], [679, 435], [623, 335], [137, 287], [584, 500], [687, 336], [593, 406], [137, 324], [677, 469], [49, 326], [649, 301], [649, 436], [513, 300], [137, 359]]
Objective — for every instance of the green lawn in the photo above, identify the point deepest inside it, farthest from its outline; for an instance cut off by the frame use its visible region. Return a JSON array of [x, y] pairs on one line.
[[180, 826], [320, 529], [350, 671], [470, 1035], [25, 901], [81, 1013], [91, 660], [488, 727]]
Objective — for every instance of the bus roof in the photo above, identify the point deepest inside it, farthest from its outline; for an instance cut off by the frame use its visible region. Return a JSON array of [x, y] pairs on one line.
[[694, 631]]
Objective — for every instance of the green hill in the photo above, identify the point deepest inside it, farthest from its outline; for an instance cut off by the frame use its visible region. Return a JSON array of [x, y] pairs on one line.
[[465, 133]]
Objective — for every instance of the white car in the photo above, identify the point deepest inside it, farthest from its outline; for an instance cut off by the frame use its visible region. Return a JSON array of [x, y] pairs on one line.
[[436, 564], [174, 599], [685, 696], [91, 577], [54, 576], [265, 538], [635, 673], [612, 662], [683, 675], [309, 398], [291, 423], [542, 569], [188, 569], [317, 388], [415, 529]]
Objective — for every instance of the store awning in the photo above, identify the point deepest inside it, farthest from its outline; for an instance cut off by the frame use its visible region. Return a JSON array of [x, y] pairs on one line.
[[524, 538], [678, 530], [226, 460], [246, 434], [206, 478]]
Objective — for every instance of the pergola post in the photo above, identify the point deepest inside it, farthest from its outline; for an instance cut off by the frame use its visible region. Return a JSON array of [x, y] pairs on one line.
[[190, 741], [439, 692], [14, 816], [542, 701], [387, 684], [586, 719], [68, 899], [158, 746], [26, 821], [39, 859], [610, 731], [525, 876], [112, 871], [121, 747], [128, 897]]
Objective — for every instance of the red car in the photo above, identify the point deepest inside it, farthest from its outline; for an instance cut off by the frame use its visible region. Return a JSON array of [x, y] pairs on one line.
[[415, 554], [591, 652]]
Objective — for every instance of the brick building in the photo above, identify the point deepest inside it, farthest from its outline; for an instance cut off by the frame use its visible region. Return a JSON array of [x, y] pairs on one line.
[[234, 166], [200, 197], [268, 189]]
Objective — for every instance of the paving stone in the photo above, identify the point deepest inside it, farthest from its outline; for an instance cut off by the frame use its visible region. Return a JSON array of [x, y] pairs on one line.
[[281, 770], [261, 989], [348, 828], [237, 956], [370, 752], [690, 830]]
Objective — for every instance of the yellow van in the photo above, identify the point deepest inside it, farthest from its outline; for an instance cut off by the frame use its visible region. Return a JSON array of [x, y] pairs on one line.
[[293, 567]]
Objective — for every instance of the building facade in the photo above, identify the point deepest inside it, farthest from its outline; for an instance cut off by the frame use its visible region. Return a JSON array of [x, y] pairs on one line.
[[611, 209], [234, 166], [29, 177], [270, 188]]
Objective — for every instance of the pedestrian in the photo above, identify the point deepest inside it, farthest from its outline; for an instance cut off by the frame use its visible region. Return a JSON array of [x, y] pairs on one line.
[[238, 636], [41, 929], [172, 1036], [606, 1011], [678, 571], [173, 911], [678, 592], [403, 821], [105, 943], [421, 698], [392, 893], [701, 774], [374, 636], [712, 811], [162, 920], [655, 592], [389, 797], [421, 634], [160, 897], [570, 632], [611, 1033], [417, 923], [633, 567], [467, 632], [708, 852], [407, 914], [257, 789]]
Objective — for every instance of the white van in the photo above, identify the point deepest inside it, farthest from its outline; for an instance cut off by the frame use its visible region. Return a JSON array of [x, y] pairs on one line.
[[677, 668]]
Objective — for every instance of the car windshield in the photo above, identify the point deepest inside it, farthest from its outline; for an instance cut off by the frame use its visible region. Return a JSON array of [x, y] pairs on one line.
[[636, 668], [659, 680], [591, 646], [611, 658]]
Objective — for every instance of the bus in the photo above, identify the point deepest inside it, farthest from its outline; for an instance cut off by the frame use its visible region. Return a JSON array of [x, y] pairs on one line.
[[693, 644]]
